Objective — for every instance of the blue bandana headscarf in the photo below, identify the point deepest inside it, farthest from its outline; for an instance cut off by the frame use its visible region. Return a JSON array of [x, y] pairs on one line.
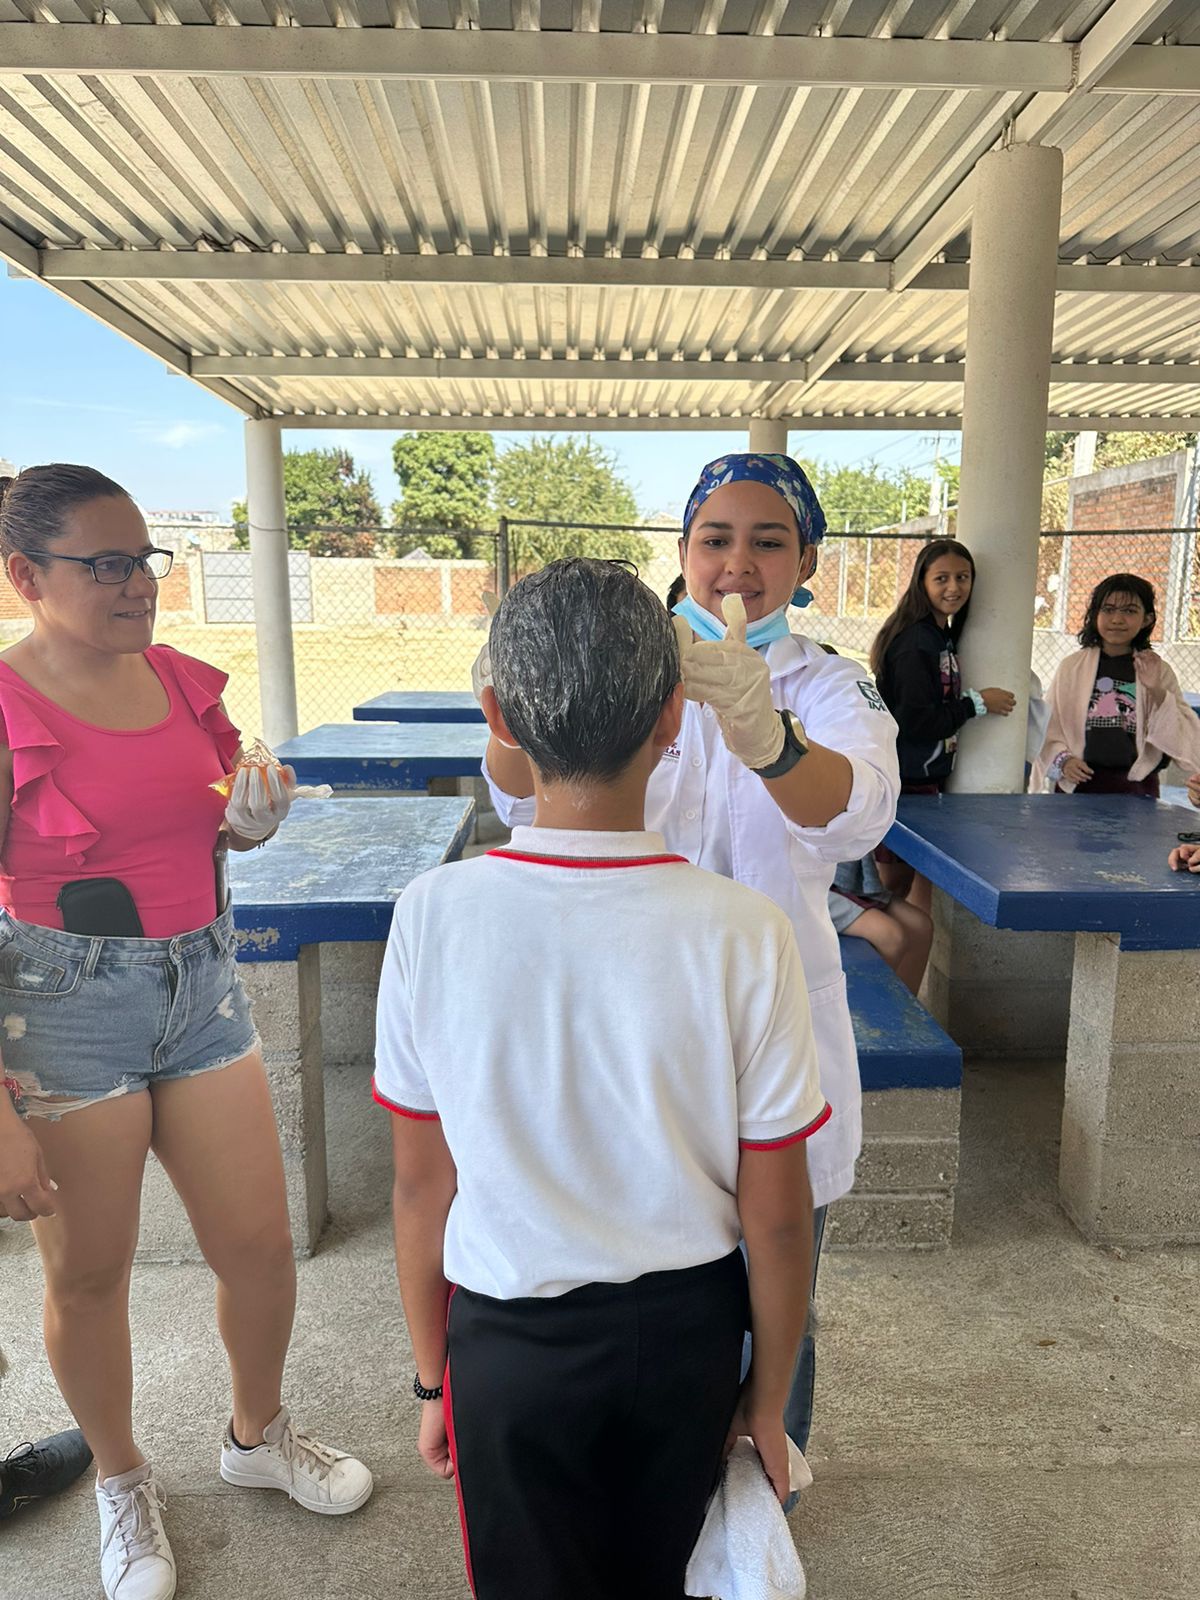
[[789, 481], [780, 473]]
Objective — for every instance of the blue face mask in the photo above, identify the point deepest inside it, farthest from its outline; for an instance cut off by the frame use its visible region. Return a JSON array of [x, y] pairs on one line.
[[802, 597], [758, 635]]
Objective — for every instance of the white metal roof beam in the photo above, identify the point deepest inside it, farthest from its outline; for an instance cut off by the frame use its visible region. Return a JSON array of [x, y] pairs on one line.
[[456, 369], [241, 266], [1097, 53], [21, 254], [924, 422], [539, 271], [498, 56]]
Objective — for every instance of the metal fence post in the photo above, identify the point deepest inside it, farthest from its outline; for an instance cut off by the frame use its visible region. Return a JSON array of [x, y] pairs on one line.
[[502, 574]]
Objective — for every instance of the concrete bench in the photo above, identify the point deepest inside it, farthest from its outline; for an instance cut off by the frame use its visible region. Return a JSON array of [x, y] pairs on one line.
[[382, 757], [1060, 926], [911, 1077], [312, 913], [414, 705]]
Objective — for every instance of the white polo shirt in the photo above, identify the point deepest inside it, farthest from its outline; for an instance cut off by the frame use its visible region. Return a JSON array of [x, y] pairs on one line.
[[600, 1026]]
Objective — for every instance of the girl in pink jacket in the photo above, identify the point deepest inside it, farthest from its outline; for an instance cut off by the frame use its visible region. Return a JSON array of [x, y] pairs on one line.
[[1117, 714]]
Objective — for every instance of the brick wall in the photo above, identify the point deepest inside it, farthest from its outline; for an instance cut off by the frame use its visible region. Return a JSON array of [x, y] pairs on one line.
[[435, 589], [175, 590], [1146, 494], [12, 607], [409, 589]]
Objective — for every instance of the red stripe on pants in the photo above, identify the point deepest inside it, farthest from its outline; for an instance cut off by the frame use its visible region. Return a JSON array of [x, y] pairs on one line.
[[448, 1411]]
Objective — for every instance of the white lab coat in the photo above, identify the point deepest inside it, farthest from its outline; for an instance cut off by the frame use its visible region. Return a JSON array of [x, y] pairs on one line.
[[714, 811]]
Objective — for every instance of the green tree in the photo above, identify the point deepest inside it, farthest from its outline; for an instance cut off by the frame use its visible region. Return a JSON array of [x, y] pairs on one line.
[[329, 503], [446, 491], [569, 479], [1122, 449], [857, 499]]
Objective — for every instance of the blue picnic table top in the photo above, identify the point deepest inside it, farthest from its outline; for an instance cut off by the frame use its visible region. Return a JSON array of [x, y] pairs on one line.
[[420, 705], [337, 867], [386, 755], [1095, 864]]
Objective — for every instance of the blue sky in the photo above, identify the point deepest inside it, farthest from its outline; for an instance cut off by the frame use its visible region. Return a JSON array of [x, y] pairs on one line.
[[73, 390]]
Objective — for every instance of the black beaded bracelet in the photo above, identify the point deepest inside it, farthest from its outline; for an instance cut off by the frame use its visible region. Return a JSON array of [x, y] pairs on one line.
[[422, 1393]]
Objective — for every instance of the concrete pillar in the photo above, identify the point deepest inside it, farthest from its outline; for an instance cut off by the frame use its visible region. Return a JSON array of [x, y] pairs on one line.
[[269, 566], [1010, 324], [1129, 1170], [769, 436], [975, 970]]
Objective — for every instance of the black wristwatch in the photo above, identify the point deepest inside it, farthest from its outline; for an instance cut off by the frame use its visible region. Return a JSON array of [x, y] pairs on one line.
[[422, 1393], [794, 748]]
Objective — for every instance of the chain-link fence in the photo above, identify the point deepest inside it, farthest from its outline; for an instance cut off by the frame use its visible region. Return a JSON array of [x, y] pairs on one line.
[[859, 580], [407, 611], [396, 608]]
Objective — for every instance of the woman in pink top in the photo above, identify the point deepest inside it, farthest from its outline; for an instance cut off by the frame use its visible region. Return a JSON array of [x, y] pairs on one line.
[[123, 1024]]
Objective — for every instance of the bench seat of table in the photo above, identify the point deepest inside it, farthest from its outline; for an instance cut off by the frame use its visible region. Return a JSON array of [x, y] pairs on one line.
[[900, 1046]]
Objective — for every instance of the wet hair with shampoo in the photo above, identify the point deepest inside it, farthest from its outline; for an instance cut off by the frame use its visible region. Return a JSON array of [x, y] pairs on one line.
[[584, 657]]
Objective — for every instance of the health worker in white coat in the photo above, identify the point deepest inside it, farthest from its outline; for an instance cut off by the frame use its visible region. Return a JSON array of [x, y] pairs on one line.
[[785, 766]]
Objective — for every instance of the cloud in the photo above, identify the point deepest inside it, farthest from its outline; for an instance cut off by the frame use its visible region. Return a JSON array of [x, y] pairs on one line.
[[74, 405], [177, 435]]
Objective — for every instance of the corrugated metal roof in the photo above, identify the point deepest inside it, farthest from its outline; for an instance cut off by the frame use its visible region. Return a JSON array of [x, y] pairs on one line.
[[362, 167]]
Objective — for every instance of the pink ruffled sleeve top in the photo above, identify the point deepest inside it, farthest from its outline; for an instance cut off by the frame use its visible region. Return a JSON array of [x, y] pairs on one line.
[[127, 803]]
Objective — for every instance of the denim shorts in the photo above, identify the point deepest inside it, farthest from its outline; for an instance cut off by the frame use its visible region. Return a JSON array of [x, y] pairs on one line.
[[84, 1019]]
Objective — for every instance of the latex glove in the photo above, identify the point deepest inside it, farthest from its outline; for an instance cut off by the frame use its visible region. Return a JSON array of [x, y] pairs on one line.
[[260, 799], [1193, 788], [736, 682], [481, 667]]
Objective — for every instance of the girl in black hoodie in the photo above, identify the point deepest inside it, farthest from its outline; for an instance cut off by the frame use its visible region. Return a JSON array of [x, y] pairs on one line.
[[915, 662]]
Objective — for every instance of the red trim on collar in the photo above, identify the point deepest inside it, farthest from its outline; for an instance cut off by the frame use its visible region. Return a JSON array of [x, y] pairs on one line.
[[791, 1138], [587, 861]]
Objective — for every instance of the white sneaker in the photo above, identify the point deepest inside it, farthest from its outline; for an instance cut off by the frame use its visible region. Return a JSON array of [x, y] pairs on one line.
[[135, 1559], [316, 1477]]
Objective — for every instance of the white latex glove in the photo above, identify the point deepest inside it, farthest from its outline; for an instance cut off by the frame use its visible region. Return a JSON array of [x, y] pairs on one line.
[[260, 799], [481, 667], [735, 681]]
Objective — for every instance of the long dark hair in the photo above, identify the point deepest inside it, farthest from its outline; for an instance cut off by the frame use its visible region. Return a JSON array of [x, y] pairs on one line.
[[914, 602], [36, 503], [1119, 583]]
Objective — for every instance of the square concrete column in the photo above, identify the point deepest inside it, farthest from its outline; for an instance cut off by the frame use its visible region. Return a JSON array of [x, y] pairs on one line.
[[1129, 1171], [349, 990], [994, 991], [903, 1195], [286, 997]]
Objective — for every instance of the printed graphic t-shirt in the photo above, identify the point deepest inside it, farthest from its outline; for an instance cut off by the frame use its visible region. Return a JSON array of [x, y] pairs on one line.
[[1111, 738]]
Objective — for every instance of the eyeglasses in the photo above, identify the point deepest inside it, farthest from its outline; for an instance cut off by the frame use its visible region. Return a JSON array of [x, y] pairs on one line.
[[114, 569]]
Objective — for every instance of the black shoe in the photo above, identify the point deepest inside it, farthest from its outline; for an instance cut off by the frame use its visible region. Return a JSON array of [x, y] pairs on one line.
[[33, 1471]]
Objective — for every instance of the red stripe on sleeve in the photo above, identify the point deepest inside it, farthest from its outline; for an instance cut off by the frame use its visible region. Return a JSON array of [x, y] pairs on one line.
[[791, 1138], [402, 1111]]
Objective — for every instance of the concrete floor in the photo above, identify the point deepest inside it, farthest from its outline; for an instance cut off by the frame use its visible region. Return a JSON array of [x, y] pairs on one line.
[[1017, 1419]]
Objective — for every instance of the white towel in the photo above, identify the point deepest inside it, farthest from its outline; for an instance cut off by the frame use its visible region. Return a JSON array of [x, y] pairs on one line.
[[745, 1549]]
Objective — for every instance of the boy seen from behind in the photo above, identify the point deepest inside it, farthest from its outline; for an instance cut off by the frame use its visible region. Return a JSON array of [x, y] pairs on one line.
[[602, 1067]]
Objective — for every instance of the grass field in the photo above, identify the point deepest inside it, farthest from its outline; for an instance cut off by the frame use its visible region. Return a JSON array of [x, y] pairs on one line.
[[335, 667]]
